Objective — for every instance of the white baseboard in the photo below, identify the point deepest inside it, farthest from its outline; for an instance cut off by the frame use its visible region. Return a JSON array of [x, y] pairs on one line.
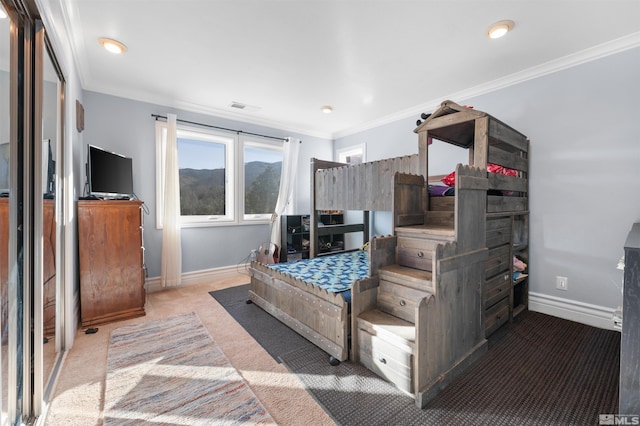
[[199, 277], [585, 313]]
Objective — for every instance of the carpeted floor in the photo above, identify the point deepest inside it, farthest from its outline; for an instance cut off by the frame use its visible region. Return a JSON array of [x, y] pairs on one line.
[[539, 370], [171, 371], [275, 337]]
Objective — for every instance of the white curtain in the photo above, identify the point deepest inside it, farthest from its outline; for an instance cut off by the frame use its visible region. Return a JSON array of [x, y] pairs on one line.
[[171, 268], [287, 181]]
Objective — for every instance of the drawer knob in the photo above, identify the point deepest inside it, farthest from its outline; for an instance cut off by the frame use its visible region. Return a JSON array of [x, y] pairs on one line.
[[382, 360], [420, 254], [402, 303]]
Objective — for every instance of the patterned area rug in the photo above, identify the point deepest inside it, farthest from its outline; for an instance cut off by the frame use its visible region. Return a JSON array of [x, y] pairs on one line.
[[171, 371]]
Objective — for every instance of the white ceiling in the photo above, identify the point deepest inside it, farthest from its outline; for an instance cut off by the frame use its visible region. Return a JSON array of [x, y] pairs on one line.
[[373, 61]]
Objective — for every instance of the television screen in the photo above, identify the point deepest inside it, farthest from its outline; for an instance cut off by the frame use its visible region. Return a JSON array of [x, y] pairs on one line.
[[48, 169], [109, 175]]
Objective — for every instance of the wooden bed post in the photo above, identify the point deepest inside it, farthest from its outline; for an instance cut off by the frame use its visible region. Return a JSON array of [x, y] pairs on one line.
[[313, 215], [481, 143], [423, 154]]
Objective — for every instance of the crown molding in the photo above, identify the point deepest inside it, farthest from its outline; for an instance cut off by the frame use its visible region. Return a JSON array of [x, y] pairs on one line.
[[587, 55], [241, 117]]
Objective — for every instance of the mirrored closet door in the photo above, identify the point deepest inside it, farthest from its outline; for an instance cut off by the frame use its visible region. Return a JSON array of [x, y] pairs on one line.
[[5, 152], [12, 75], [31, 250], [48, 135]]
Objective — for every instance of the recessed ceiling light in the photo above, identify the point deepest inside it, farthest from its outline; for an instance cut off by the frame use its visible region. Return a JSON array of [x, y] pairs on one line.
[[500, 28], [327, 109], [113, 46]]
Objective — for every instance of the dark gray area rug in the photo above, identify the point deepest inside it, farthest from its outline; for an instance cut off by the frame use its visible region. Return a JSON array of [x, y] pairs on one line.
[[274, 336], [539, 370]]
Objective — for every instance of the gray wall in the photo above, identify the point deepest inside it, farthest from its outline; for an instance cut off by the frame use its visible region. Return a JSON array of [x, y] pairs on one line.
[[584, 127], [126, 127]]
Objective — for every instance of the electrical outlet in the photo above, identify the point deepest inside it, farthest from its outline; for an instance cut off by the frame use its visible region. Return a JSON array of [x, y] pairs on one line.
[[562, 283]]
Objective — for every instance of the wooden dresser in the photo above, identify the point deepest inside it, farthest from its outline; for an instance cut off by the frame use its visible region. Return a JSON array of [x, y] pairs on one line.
[[111, 261], [630, 343]]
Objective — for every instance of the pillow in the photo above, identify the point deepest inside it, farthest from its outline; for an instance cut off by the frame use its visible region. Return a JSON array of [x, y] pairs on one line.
[[494, 168], [450, 179], [440, 190]]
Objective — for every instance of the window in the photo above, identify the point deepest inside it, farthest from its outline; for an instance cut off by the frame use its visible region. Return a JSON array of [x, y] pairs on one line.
[[262, 167], [205, 167], [211, 192]]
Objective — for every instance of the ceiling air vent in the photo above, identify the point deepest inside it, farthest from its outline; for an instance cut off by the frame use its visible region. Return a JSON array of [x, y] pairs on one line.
[[244, 107]]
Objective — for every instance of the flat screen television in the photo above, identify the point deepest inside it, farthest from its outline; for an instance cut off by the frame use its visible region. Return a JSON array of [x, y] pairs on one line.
[[48, 169], [109, 175]]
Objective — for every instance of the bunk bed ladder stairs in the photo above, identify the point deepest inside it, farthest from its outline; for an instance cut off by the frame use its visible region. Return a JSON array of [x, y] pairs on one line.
[[433, 284]]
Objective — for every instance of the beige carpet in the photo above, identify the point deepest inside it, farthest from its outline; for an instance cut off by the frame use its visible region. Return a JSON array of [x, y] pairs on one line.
[[79, 394]]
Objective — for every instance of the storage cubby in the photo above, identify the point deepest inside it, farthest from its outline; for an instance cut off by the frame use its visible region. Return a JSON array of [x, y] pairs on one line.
[[330, 243], [294, 238]]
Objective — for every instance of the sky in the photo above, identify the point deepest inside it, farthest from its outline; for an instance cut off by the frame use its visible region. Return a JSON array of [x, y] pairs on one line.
[[195, 154]]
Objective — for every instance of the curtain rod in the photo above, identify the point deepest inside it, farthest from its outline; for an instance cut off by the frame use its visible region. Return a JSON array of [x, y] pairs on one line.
[[156, 116]]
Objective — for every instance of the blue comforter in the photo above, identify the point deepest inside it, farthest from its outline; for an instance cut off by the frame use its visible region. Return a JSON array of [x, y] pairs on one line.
[[335, 273]]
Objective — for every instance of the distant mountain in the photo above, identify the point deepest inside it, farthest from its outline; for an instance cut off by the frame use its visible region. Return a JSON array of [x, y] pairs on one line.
[[255, 168], [195, 177], [202, 190]]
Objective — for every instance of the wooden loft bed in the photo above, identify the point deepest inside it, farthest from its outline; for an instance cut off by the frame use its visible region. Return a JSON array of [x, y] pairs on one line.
[[421, 325], [420, 315]]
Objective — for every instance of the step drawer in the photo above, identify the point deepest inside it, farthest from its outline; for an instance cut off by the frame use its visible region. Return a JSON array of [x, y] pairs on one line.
[[497, 315], [496, 289], [386, 360], [415, 253], [498, 261], [398, 300], [498, 231]]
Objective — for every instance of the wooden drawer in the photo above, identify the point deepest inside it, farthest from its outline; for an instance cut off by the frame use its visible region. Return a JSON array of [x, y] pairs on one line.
[[498, 261], [398, 300], [496, 289], [415, 253], [498, 231], [386, 360], [496, 315]]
